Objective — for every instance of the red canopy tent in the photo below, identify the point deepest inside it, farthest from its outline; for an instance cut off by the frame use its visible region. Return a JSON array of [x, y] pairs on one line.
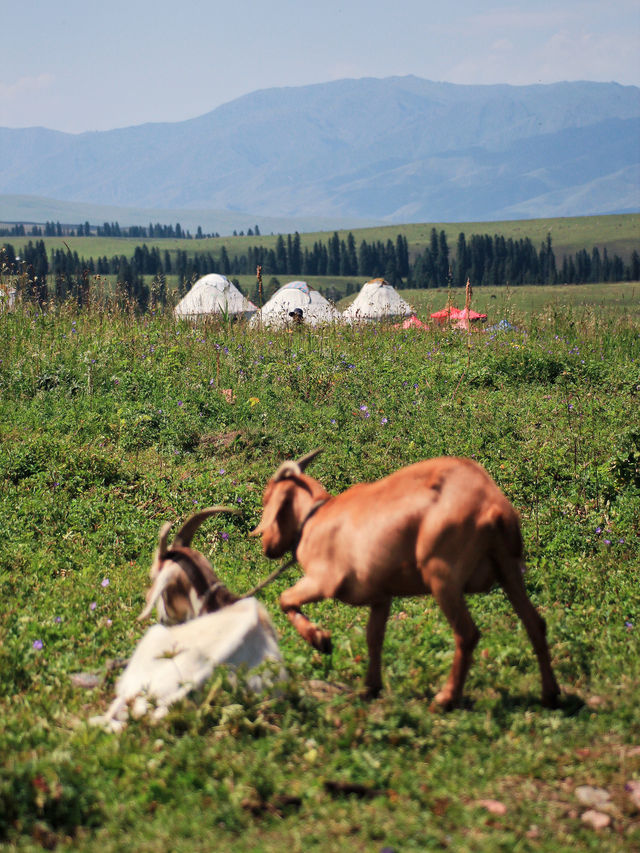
[[458, 317], [411, 322], [447, 314]]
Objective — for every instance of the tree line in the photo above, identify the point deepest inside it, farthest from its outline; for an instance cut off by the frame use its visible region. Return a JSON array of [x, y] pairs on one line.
[[113, 229], [483, 259]]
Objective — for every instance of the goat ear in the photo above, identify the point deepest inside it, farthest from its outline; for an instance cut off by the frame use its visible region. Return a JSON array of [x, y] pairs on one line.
[[184, 536], [277, 500], [166, 575]]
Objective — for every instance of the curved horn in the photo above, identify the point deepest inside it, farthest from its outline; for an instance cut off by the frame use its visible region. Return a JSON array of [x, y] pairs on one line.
[[162, 539], [292, 469], [307, 458], [184, 536], [287, 469]]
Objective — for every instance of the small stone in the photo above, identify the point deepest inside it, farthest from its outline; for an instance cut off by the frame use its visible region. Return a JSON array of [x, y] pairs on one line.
[[595, 819], [493, 806], [633, 791], [86, 680], [590, 796]]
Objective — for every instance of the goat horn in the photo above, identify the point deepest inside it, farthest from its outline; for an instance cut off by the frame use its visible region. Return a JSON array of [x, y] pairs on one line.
[[162, 538], [184, 536], [287, 469], [308, 457], [291, 469]]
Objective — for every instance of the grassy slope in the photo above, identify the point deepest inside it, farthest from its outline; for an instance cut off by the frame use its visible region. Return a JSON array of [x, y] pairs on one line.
[[110, 425], [620, 234]]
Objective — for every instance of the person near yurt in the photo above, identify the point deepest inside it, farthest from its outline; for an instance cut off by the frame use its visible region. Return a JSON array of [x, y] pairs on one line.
[[214, 294], [377, 300], [296, 304]]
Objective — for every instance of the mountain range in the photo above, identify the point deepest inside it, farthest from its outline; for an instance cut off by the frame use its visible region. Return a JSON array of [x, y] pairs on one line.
[[398, 149]]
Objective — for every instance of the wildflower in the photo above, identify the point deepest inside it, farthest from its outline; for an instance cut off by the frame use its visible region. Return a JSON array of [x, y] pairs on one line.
[[58, 619], [109, 623], [607, 541], [104, 582], [221, 471], [598, 530], [384, 421], [333, 421], [254, 401], [224, 536], [93, 605], [180, 403], [37, 644], [628, 625]]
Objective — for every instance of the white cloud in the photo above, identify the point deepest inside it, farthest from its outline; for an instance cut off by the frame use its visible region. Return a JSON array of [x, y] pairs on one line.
[[26, 86], [561, 55]]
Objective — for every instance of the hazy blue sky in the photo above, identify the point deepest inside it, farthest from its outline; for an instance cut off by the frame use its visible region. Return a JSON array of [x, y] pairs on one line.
[[78, 65]]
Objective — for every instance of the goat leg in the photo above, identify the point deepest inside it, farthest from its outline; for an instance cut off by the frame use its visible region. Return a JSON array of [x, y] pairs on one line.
[[376, 626], [466, 635], [305, 591], [536, 628], [316, 637]]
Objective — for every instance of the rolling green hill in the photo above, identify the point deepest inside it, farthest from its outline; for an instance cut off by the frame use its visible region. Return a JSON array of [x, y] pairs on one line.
[[618, 233]]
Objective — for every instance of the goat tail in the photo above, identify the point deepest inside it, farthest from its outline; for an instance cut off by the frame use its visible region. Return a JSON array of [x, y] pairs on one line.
[[166, 576], [507, 548]]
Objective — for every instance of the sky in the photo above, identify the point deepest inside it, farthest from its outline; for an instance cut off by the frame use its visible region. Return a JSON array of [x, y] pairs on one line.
[[82, 65]]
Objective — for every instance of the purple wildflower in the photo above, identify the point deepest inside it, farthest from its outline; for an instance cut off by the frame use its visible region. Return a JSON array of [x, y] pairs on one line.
[[384, 421], [104, 582], [37, 644], [58, 619], [224, 536], [93, 605]]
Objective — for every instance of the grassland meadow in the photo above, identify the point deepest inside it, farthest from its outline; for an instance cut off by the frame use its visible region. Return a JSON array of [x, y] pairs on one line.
[[112, 423]]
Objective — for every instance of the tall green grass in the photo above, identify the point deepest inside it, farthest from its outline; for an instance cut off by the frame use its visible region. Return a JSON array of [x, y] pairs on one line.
[[112, 423]]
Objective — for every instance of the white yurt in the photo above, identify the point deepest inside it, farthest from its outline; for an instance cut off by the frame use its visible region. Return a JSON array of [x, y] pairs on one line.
[[214, 294], [293, 298], [377, 300]]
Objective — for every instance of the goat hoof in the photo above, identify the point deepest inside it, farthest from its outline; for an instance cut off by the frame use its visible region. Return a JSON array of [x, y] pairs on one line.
[[552, 700], [370, 693], [442, 702], [322, 642]]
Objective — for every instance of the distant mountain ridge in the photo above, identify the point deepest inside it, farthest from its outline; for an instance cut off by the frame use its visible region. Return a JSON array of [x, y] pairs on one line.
[[398, 149]]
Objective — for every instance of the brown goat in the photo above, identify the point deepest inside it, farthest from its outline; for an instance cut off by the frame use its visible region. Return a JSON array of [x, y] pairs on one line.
[[184, 584], [441, 526]]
